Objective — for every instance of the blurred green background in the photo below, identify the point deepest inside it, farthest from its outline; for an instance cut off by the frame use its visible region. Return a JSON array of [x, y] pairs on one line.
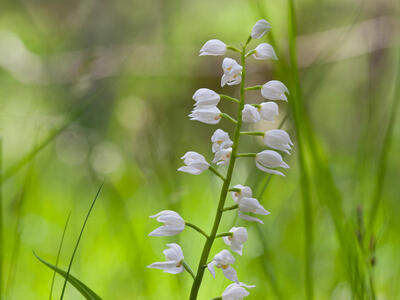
[[124, 72]]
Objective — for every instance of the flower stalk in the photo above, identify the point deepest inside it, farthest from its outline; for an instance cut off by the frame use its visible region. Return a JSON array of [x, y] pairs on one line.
[[225, 187]]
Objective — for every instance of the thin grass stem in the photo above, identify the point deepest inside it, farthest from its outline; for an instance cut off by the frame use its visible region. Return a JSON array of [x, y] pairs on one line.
[[58, 255], [78, 241]]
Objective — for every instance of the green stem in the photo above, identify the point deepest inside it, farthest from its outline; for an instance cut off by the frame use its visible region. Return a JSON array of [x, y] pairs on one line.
[[234, 190], [224, 234], [233, 49], [246, 155], [224, 190], [231, 207], [253, 133], [252, 88], [187, 268], [198, 229], [228, 117], [250, 53], [212, 169], [229, 98]]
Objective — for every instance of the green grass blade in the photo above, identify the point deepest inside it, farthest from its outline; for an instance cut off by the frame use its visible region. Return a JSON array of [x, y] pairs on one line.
[[79, 285], [78, 241], [58, 255], [1, 221], [383, 157]]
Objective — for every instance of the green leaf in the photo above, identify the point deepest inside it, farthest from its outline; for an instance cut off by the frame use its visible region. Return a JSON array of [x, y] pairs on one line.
[[79, 285]]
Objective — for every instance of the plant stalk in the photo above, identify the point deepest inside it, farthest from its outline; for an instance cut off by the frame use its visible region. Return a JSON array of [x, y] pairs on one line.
[[224, 190]]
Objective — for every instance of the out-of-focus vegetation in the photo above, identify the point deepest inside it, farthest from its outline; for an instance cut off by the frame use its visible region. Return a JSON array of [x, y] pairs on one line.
[[100, 90]]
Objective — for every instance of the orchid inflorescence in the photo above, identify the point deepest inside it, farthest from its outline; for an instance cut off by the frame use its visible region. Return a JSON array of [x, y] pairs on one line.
[[225, 153]]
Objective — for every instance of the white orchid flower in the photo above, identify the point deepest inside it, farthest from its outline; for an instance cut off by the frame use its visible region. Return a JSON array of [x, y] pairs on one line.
[[232, 72], [248, 204], [213, 47], [208, 115], [250, 114], [264, 51], [195, 163], [274, 90], [278, 139], [267, 160], [173, 223], [220, 140], [206, 98], [222, 157], [223, 260], [237, 239], [174, 258], [236, 291], [260, 28], [269, 110]]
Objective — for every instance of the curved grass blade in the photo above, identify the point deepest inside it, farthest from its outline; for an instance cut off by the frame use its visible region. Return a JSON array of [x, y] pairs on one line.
[[79, 239], [58, 255], [79, 285]]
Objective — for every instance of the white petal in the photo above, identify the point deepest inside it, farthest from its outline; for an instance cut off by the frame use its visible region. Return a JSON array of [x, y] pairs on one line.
[[249, 218], [166, 231], [267, 170], [211, 268], [274, 90], [260, 28], [264, 51], [213, 47], [230, 273]]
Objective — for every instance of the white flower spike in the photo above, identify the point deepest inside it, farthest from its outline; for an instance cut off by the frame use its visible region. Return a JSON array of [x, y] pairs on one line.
[[274, 90], [260, 28], [232, 72], [222, 157], [207, 115], [248, 204], [220, 140], [250, 114], [173, 223], [206, 98], [278, 139], [173, 257], [223, 260], [213, 47], [267, 160], [238, 238], [236, 291], [195, 163], [264, 51], [269, 110]]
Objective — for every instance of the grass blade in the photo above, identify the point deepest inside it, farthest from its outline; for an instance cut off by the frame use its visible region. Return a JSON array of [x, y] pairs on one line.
[[1, 221], [79, 239], [58, 255], [79, 285]]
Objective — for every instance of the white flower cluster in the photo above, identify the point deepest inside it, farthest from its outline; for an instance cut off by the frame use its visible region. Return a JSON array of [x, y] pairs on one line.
[[206, 111]]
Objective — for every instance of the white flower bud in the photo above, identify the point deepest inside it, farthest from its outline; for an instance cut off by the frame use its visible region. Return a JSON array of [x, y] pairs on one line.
[[208, 115], [220, 140], [173, 257], [250, 114], [269, 159], [195, 163], [238, 238], [274, 90], [278, 139], [265, 51], [206, 98], [245, 191], [236, 291], [269, 110], [260, 28], [246, 202], [223, 260], [222, 157], [173, 223], [232, 72], [213, 47]]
